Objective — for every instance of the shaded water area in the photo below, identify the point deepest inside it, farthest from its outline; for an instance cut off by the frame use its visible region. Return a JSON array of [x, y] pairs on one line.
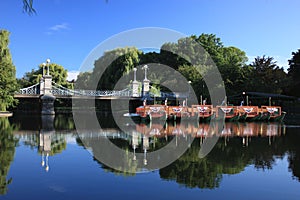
[[49, 159]]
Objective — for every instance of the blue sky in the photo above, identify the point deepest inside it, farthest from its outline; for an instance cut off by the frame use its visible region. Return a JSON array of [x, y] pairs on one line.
[[66, 31]]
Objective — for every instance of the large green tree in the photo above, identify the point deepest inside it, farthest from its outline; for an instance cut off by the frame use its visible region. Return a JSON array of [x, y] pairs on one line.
[[113, 65], [230, 61], [267, 76], [59, 75], [294, 73], [8, 83]]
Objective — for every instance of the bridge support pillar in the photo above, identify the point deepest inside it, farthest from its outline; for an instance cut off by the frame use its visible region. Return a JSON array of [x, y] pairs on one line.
[[47, 98], [135, 89], [47, 87], [47, 101], [146, 86]]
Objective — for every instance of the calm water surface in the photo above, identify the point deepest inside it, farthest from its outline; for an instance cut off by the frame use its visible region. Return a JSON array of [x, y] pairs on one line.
[[40, 160]]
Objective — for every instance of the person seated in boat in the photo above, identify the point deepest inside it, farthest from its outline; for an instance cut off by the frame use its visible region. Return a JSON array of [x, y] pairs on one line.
[[204, 101], [223, 103], [242, 103], [166, 101], [183, 103], [145, 102]]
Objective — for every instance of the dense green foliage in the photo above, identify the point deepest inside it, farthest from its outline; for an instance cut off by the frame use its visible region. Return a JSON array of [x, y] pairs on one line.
[[8, 83], [294, 73], [193, 62], [266, 76], [59, 75], [110, 68]]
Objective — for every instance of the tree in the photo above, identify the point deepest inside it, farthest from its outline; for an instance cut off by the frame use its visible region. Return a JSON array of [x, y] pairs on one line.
[[229, 60], [294, 73], [267, 76], [83, 80], [231, 63], [59, 75], [8, 83], [113, 65]]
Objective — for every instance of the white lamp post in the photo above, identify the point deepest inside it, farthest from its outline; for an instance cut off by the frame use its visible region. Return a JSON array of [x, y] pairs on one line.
[[145, 68], [135, 84], [134, 75], [44, 65], [48, 62], [188, 96]]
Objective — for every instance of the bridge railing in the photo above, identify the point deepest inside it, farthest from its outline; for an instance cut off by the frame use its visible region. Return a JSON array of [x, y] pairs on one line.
[[58, 90], [32, 90]]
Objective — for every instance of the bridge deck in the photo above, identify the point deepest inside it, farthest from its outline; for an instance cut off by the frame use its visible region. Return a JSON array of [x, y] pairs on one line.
[[23, 96]]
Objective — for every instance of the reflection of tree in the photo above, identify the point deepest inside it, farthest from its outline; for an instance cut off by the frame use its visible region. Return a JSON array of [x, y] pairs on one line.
[[231, 158], [64, 122], [7, 152], [294, 152], [126, 166], [192, 171]]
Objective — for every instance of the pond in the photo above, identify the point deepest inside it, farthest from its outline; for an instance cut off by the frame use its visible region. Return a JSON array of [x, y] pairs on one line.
[[49, 159]]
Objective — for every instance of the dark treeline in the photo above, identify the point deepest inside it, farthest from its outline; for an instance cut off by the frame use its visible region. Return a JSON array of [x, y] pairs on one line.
[[238, 73]]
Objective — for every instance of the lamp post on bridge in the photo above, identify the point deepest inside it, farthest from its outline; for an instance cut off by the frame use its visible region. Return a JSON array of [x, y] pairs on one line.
[[146, 82], [48, 62], [135, 84], [188, 95]]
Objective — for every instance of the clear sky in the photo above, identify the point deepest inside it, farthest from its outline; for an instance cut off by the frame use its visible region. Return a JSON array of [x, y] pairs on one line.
[[67, 30]]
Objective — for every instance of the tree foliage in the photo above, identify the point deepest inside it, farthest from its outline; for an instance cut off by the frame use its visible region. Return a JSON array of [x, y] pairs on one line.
[[267, 76], [8, 83], [59, 75], [110, 67], [294, 73]]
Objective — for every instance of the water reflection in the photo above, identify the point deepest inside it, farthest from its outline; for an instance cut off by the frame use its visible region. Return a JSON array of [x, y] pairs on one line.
[[7, 152], [239, 145]]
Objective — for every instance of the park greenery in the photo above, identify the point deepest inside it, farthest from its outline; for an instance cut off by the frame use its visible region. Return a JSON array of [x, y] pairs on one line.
[[59, 75], [8, 83], [263, 74], [260, 75]]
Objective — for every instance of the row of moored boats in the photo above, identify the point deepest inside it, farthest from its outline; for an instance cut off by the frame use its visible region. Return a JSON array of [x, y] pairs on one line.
[[205, 113]]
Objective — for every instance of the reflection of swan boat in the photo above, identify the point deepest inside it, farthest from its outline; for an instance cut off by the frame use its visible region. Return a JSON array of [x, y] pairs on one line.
[[227, 129]]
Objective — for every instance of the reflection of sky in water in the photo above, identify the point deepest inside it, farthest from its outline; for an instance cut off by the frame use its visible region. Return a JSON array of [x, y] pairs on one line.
[[75, 174]]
